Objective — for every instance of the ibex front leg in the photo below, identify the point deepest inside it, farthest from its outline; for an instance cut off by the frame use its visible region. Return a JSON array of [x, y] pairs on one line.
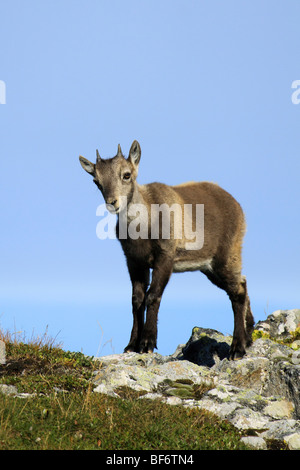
[[160, 277], [140, 281]]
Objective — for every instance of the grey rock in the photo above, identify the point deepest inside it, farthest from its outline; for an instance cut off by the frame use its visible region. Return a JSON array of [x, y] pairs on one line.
[[279, 409], [254, 441], [13, 391], [283, 380], [223, 410], [2, 353], [146, 372], [249, 420], [8, 389], [278, 429], [258, 394], [206, 347], [293, 441], [280, 324], [267, 348]]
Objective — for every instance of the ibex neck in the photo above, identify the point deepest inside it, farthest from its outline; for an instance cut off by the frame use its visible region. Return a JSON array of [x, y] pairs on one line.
[[135, 198]]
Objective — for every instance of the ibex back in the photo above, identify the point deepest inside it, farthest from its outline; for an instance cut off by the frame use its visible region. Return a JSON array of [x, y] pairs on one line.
[[218, 255]]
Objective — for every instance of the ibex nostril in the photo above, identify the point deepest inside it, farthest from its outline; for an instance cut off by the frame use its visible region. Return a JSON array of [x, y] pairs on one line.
[[112, 203]]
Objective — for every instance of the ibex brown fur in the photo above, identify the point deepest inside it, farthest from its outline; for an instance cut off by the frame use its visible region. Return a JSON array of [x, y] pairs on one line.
[[219, 257]]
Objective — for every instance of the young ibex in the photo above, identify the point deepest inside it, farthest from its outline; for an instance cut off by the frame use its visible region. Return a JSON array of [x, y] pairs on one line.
[[218, 256]]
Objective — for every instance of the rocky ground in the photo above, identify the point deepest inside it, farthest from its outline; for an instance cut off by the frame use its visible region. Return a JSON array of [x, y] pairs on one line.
[[258, 394]]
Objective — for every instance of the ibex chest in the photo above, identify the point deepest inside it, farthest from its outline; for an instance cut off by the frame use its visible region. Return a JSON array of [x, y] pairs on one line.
[[140, 250]]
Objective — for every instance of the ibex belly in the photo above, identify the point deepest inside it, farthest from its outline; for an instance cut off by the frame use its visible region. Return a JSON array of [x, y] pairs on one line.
[[181, 266]]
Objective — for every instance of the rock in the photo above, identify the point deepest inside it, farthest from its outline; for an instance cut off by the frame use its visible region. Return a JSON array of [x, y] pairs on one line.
[[258, 394], [148, 373], [295, 345], [283, 380], [13, 391], [293, 441], [256, 442], [280, 409], [223, 410], [2, 353], [205, 347], [280, 324], [249, 373], [278, 429], [248, 420], [8, 389]]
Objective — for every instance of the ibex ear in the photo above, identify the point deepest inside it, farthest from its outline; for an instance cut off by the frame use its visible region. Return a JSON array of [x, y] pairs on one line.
[[135, 153], [87, 165]]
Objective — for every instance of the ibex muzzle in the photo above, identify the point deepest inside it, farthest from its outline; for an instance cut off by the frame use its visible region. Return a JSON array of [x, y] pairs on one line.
[[218, 255]]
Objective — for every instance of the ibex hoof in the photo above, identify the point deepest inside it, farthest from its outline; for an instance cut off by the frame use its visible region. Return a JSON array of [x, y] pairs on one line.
[[236, 354], [129, 350], [147, 346]]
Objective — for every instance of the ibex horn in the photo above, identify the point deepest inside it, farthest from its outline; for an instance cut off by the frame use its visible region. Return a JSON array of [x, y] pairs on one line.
[[98, 156], [119, 151]]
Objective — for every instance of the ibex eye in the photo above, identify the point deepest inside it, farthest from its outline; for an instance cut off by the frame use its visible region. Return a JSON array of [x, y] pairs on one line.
[[126, 176]]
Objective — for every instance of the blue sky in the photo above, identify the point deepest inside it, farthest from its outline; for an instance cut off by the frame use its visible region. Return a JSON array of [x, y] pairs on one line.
[[206, 89]]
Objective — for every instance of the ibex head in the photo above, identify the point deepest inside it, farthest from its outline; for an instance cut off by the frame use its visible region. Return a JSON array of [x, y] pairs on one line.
[[115, 177]]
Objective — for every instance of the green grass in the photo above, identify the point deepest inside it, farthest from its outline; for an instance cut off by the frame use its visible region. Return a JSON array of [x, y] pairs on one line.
[[77, 421], [64, 413]]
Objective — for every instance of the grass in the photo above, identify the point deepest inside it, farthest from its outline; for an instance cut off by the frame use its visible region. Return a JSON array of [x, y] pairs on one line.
[[99, 422], [63, 413]]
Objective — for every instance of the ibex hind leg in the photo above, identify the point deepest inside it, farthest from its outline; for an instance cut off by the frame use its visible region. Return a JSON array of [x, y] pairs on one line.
[[243, 319], [235, 286]]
